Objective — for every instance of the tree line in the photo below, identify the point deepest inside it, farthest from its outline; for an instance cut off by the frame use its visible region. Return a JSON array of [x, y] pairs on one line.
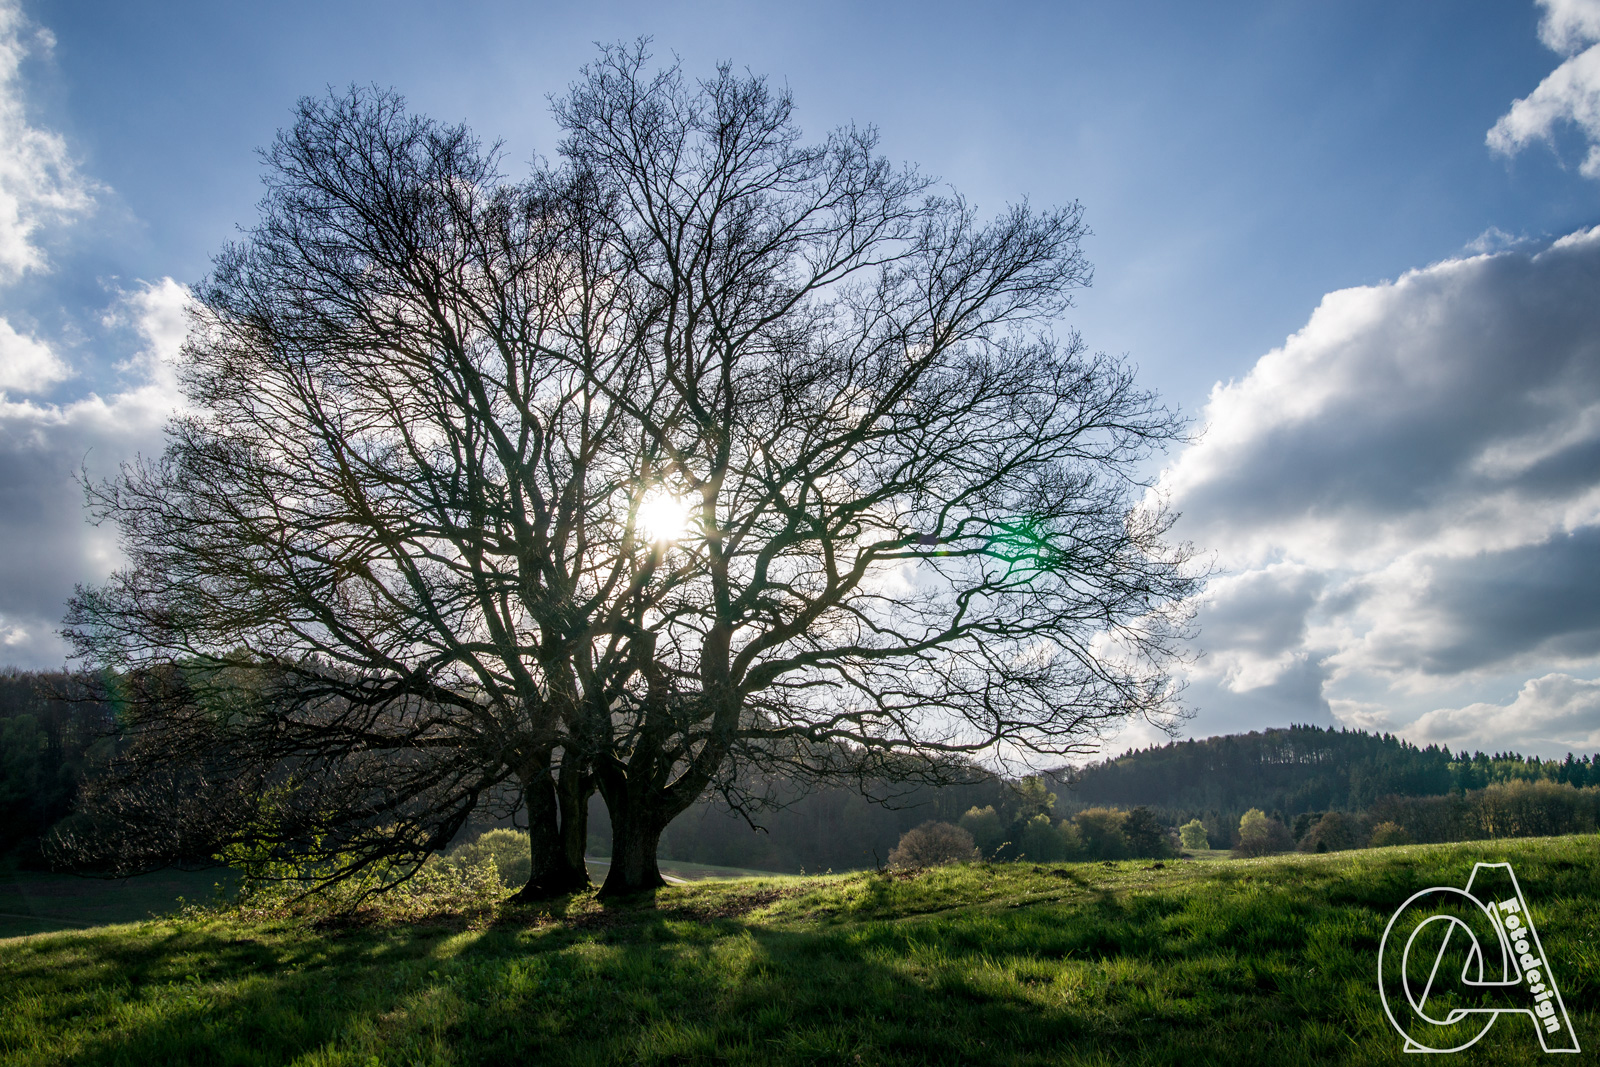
[[49, 742], [54, 736], [1294, 771]]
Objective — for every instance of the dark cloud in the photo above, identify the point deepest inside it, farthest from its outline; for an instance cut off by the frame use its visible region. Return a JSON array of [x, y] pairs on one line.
[[1293, 696], [1539, 599], [48, 544], [1262, 612]]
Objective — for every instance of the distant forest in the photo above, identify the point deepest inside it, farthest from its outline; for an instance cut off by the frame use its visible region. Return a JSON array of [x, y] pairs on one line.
[[1288, 772], [48, 745]]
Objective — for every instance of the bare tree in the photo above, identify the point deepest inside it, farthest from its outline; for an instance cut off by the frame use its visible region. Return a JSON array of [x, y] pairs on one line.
[[388, 497], [707, 448], [913, 524]]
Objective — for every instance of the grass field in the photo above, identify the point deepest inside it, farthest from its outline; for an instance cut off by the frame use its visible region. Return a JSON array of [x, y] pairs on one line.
[[1265, 961], [34, 903]]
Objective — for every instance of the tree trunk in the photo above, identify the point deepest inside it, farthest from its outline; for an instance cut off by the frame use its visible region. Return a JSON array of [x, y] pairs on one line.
[[633, 856], [573, 788], [642, 803], [553, 873]]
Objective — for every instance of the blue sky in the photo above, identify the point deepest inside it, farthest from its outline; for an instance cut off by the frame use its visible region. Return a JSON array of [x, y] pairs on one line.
[[1301, 200]]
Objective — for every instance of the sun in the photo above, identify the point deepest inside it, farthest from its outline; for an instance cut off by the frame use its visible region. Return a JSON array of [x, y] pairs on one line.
[[662, 516]]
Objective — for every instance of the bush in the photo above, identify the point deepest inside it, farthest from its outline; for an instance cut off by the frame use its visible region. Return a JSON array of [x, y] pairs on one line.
[[1261, 836], [384, 893], [1193, 834], [1100, 829], [933, 844], [1334, 832], [987, 831], [508, 849], [1386, 834], [1046, 842]]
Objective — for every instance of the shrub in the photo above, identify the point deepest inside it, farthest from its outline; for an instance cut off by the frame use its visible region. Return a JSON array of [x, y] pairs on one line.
[[507, 848], [379, 894], [1334, 832], [987, 831], [1193, 834], [1261, 836], [1046, 842], [932, 844], [1386, 834], [1101, 832]]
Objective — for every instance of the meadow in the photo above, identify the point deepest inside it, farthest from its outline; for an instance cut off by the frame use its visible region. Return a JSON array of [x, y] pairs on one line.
[[1267, 961]]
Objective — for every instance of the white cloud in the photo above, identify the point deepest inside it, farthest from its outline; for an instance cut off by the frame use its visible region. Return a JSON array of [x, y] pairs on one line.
[[1568, 25], [1405, 496], [1569, 94], [1550, 714], [11, 635], [1453, 408], [27, 365], [159, 312], [49, 544], [1493, 239], [39, 182]]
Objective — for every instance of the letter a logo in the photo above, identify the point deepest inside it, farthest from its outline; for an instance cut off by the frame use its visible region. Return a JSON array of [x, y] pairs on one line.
[[1452, 961]]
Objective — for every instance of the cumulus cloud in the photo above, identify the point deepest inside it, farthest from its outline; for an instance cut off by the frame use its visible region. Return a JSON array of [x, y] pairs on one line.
[[1568, 25], [1569, 94], [43, 446], [1457, 408], [39, 182], [1405, 496], [1256, 622], [1554, 713], [27, 365], [45, 443]]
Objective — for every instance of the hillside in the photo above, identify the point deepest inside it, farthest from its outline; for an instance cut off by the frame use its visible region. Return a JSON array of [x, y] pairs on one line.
[[1237, 961], [1299, 769]]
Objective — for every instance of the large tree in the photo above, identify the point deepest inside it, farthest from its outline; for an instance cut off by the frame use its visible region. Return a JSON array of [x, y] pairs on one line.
[[705, 446]]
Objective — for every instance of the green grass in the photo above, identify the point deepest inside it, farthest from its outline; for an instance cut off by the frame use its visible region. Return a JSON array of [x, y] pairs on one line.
[[1267, 961], [1208, 853]]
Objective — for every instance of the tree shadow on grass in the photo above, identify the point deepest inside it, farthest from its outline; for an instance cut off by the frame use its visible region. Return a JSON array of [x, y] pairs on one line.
[[195, 996], [1218, 972]]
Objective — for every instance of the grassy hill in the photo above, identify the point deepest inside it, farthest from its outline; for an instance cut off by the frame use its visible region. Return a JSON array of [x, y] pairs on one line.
[[1266, 961]]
